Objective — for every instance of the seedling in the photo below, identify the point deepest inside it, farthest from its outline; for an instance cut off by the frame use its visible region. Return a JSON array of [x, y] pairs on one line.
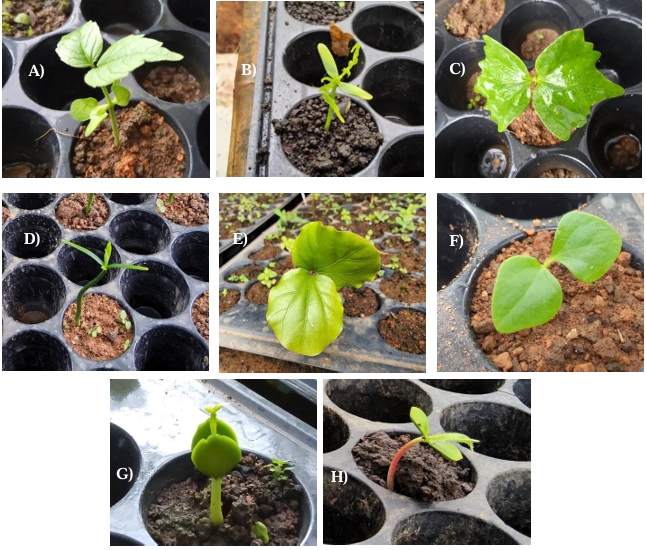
[[83, 48], [394, 264], [285, 218], [305, 310], [567, 83], [540, 36], [160, 203], [473, 103], [268, 277], [123, 319], [215, 452], [104, 269], [286, 243], [278, 468], [126, 345], [225, 292], [333, 81], [369, 235], [260, 531], [238, 279], [526, 294], [405, 223], [94, 331], [443, 443], [89, 204]]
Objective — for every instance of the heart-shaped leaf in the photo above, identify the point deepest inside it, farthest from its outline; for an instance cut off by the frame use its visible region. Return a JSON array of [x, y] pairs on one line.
[[81, 109], [121, 95]]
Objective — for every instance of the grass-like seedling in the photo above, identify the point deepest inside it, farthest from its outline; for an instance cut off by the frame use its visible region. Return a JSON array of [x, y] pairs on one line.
[[526, 294], [259, 529], [268, 277], [567, 83], [104, 269], [333, 81], [83, 48], [279, 468], [90, 199], [443, 443], [305, 310], [215, 452]]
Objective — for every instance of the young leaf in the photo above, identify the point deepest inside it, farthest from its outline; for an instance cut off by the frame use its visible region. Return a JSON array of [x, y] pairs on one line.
[[455, 437], [121, 95], [22, 18], [354, 90], [95, 120], [525, 295], [82, 108], [586, 245], [418, 416], [82, 47], [446, 449], [107, 252], [328, 61]]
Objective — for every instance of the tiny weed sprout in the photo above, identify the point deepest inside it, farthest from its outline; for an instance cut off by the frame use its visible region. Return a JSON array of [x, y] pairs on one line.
[[126, 345], [83, 48], [225, 292], [104, 269], [279, 468], [526, 294], [333, 81], [285, 218], [89, 204], [215, 452], [162, 208], [123, 319], [443, 443], [95, 331], [268, 277], [259, 530], [238, 279], [305, 310], [567, 83]]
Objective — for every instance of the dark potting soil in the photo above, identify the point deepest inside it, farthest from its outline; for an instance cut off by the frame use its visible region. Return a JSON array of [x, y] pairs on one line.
[[419, 6], [71, 212], [404, 288], [250, 271], [284, 265], [5, 214], [44, 17], [267, 252], [174, 84], [362, 228], [625, 153], [471, 18], [359, 302], [472, 95], [397, 243], [404, 330], [241, 361], [559, 173], [229, 300], [343, 150], [26, 170], [536, 42], [188, 209], [408, 259], [600, 326], [181, 517], [319, 13], [422, 473], [98, 311], [150, 148], [200, 315], [230, 225], [258, 293]]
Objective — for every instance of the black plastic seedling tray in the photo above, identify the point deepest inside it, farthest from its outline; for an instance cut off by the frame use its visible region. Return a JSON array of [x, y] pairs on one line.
[[359, 348], [46, 279], [31, 105], [467, 140], [486, 231], [152, 425], [391, 68], [496, 412]]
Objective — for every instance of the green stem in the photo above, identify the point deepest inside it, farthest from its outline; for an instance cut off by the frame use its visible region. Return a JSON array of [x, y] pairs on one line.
[[329, 110], [170, 198], [390, 478], [79, 300], [89, 204], [216, 505], [113, 119]]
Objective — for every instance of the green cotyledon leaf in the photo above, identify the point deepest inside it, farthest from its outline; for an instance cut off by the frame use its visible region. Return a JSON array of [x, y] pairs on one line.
[[586, 245], [505, 83], [446, 449], [568, 83], [418, 416], [525, 295]]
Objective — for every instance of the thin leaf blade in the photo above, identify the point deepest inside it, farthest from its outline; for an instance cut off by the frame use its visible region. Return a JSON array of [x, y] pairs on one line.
[[418, 416], [328, 61], [84, 250], [351, 89], [447, 450]]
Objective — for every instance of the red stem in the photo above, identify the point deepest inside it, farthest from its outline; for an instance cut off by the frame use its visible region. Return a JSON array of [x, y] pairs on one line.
[[390, 479]]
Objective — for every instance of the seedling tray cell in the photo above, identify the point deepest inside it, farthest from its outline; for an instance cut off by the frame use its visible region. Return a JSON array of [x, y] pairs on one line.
[[497, 412], [488, 227], [46, 279], [466, 141], [152, 425]]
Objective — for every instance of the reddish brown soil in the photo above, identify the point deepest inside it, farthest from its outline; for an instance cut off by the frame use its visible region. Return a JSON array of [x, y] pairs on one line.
[[180, 516], [251, 271], [267, 252], [71, 212], [536, 42], [44, 17], [625, 154], [174, 84], [405, 331], [228, 301], [230, 225], [240, 361], [422, 473], [200, 315], [559, 173], [409, 260], [471, 18], [600, 326], [189, 209], [5, 214], [258, 293], [98, 311], [404, 288], [359, 302], [150, 148]]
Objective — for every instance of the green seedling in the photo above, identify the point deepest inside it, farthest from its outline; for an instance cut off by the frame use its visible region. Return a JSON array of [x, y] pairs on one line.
[[123, 319], [89, 204], [83, 48], [380, 273], [238, 278], [473, 103], [394, 264], [215, 452], [346, 217], [225, 292], [95, 331], [259, 530], [333, 81], [527, 295], [160, 203], [405, 223], [268, 277], [369, 235], [126, 345], [567, 83], [443, 443], [540, 36], [305, 310], [405, 238], [279, 468], [448, 27], [105, 265], [286, 243], [285, 218]]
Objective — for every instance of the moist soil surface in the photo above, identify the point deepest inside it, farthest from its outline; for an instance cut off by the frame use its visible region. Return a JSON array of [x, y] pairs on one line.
[[250, 271], [536, 42], [200, 315], [471, 18], [408, 259], [71, 212], [150, 148], [98, 311], [174, 84], [404, 288], [404, 330], [26, 170], [189, 209], [228, 301], [241, 361], [5, 214], [559, 173], [267, 252], [258, 294], [472, 95], [44, 17], [181, 517], [319, 13], [343, 150], [359, 302], [625, 154], [600, 326], [422, 473]]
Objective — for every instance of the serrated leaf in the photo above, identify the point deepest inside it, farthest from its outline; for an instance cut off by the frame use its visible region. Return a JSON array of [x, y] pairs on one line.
[[82, 47], [418, 416], [346, 258], [82, 108], [328, 61], [305, 312], [121, 95], [586, 245], [504, 81], [447, 450], [354, 90], [525, 295], [94, 123]]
